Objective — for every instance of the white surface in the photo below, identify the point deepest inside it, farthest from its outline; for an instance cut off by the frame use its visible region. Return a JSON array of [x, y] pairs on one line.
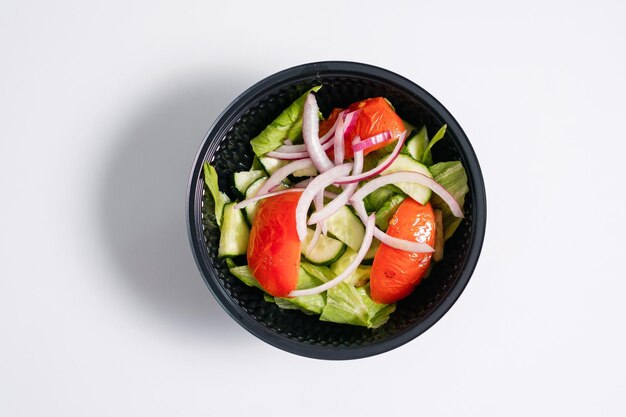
[[102, 108]]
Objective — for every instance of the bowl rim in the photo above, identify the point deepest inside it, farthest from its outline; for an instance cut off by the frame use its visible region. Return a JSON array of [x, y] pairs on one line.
[[247, 99]]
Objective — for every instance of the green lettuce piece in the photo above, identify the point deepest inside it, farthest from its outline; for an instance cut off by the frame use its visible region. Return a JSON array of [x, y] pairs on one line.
[[452, 177], [427, 159], [348, 305], [210, 179], [387, 210], [310, 304], [375, 199], [245, 275], [288, 125], [345, 305], [357, 278], [378, 314], [322, 273]]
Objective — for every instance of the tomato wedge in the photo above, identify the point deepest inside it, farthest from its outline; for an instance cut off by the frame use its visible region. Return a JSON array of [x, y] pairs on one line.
[[375, 116], [274, 245], [395, 272]]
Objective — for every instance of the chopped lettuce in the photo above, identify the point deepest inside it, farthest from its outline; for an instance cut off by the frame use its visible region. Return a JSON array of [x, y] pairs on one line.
[[378, 313], [387, 210], [288, 125], [311, 304], [322, 273], [374, 200], [345, 305], [210, 179], [359, 277], [245, 275], [427, 158], [452, 177], [349, 305]]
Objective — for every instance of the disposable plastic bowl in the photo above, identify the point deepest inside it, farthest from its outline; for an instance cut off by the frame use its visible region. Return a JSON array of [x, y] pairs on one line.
[[227, 147]]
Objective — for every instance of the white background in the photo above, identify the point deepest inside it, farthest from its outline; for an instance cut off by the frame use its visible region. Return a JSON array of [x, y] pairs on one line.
[[102, 108]]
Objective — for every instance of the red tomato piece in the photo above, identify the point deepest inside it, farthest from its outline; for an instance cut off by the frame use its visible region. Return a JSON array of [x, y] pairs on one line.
[[395, 272], [274, 245], [375, 116]]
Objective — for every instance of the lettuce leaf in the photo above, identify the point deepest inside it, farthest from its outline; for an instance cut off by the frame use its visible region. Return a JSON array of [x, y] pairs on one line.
[[451, 175], [348, 305], [345, 305], [210, 179], [245, 275], [427, 158], [310, 304], [378, 314], [288, 125]]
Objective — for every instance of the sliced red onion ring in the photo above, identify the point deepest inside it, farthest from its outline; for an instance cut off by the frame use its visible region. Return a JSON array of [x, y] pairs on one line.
[[394, 242], [297, 155], [342, 199], [372, 141], [288, 142], [323, 140], [377, 170], [310, 131], [350, 121], [258, 197], [338, 144], [367, 241], [318, 201], [280, 174], [288, 155], [303, 183], [318, 184], [407, 176]]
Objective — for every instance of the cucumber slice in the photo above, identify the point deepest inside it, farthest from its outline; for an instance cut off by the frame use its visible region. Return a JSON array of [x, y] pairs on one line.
[[245, 178], [234, 233], [270, 165], [326, 251], [417, 192], [251, 192], [387, 210], [417, 144], [347, 227]]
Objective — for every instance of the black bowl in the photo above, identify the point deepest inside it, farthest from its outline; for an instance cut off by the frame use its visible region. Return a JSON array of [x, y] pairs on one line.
[[227, 146]]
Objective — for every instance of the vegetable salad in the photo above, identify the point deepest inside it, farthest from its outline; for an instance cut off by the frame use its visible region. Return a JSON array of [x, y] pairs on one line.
[[339, 217]]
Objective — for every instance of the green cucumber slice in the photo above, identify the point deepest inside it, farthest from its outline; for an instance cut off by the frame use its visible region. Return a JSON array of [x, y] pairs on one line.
[[251, 192], [326, 250], [271, 165], [245, 178], [417, 144], [417, 192], [347, 227], [234, 233], [387, 210]]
